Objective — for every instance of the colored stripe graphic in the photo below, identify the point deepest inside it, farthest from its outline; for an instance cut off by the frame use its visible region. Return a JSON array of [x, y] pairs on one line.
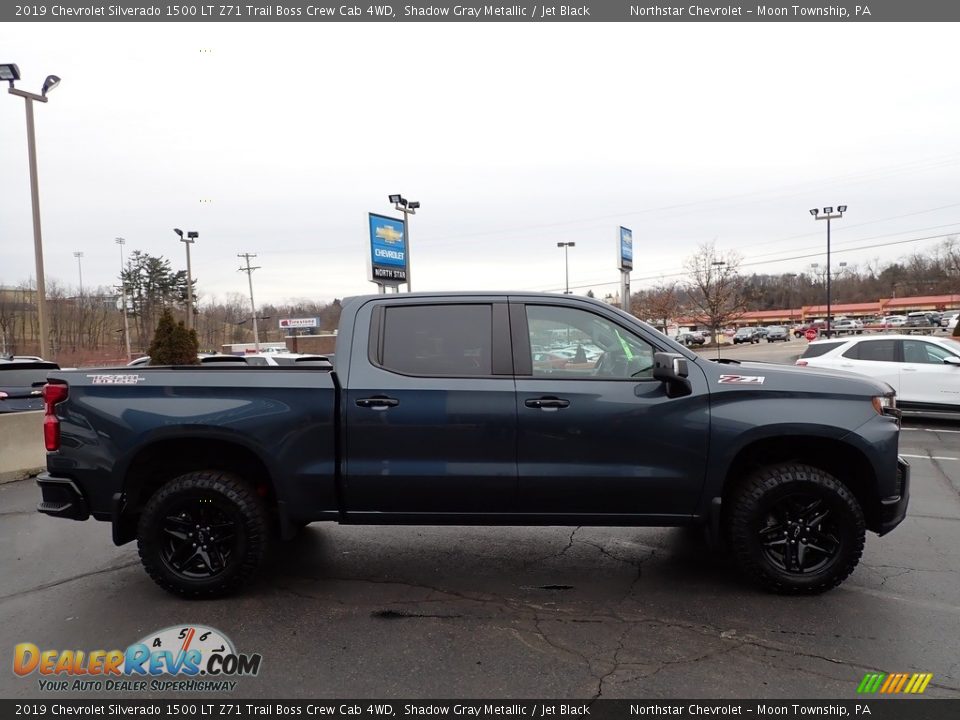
[[912, 683]]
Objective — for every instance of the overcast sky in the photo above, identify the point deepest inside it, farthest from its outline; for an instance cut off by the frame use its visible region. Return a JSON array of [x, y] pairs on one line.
[[277, 139]]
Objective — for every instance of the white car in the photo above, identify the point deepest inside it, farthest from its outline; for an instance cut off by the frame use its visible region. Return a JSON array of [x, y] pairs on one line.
[[924, 370], [895, 320]]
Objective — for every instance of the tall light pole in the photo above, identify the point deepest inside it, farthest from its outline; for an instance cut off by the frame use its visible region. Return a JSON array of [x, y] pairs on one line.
[[123, 296], [407, 208], [828, 215], [79, 255], [11, 73], [191, 238], [789, 277], [719, 264], [566, 266], [253, 307]]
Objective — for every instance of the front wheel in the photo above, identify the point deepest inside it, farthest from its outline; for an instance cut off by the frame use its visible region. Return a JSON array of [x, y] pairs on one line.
[[203, 534], [795, 529]]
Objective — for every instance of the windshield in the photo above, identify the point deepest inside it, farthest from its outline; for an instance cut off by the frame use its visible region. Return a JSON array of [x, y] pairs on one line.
[[952, 345]]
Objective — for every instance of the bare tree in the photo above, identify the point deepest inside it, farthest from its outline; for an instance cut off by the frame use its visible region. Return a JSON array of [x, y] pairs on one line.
[[659, 305], [715, 288]]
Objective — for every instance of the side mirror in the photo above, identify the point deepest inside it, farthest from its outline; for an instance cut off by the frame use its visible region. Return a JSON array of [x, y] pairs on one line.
[[952, 360], [672, 370]]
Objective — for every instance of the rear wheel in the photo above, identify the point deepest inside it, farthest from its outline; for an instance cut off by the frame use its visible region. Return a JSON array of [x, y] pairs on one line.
[[796, 529], [203, 534]]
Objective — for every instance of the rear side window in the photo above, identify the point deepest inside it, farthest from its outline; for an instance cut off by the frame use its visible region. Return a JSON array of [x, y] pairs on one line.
[[454, 340], [23, 377], [875, 350], [819, 349]]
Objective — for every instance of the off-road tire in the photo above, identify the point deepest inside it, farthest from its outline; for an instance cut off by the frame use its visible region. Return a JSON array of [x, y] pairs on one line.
[[225, 493], [750, 506]]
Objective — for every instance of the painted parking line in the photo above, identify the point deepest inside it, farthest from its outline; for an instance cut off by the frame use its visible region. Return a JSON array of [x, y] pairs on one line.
[[933, 430], [928, 457]]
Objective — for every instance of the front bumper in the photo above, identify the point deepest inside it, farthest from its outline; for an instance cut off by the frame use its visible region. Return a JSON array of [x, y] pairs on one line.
[[893, 509], [61, 498]]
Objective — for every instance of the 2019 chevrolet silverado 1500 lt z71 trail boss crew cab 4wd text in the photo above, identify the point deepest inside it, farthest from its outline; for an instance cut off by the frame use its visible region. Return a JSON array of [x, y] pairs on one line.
[[435, 412]]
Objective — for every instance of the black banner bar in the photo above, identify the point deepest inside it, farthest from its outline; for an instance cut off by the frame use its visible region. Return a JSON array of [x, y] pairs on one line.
[[871, 707], [425, 11]]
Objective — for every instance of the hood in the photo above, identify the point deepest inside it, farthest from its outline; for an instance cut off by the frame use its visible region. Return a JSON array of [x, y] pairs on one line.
[[791, 379]]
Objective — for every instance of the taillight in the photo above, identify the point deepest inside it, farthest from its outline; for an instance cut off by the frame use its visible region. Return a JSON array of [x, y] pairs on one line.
[[52, 394], [801, 363]]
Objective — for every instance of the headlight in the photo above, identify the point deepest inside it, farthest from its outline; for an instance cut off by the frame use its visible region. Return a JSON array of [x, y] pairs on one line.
[[885, 404]]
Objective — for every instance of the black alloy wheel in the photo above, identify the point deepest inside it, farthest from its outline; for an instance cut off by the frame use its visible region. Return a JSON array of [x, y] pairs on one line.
[[794, 528], [200, 537], [799, 534], [203, 534]]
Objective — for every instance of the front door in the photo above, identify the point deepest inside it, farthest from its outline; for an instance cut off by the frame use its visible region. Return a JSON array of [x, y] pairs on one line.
[[596, 433], [429, 407], [925, 377]]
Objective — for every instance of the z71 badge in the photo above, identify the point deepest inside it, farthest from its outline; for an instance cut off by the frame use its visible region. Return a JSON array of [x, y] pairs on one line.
[[124, 379], [741, 379]]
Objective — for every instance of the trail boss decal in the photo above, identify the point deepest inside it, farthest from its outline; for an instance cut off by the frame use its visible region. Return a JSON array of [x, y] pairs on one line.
[[124, 379], [741, 379]]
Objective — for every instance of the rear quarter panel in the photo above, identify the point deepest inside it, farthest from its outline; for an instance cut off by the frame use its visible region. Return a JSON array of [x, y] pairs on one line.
[[284, 416]]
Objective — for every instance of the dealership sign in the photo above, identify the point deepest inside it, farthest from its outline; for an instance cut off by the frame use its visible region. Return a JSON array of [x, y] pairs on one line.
[[626, 249], [288, 323], [388, 250]]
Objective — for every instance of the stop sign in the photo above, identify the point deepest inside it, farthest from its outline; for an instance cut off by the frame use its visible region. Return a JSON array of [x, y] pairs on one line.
[[810, 334]]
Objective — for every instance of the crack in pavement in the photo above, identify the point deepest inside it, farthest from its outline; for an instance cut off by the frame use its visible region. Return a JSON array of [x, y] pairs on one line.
[[934, 517], [944, 477], [570, 542], [615, 664], [7, 513], [72, 578]]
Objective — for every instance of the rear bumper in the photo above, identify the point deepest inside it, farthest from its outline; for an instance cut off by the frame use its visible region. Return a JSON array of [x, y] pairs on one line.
[[61, 498], [893, 509]]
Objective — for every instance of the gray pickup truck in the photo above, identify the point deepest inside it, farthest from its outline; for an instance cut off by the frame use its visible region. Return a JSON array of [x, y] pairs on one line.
[[481, 409]]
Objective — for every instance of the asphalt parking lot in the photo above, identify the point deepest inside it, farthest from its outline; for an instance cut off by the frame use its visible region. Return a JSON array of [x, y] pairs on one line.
[[519, 612]]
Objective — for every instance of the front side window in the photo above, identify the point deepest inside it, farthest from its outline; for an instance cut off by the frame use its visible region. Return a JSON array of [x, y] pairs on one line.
[[917, 351], [576, 344], [430, 340]]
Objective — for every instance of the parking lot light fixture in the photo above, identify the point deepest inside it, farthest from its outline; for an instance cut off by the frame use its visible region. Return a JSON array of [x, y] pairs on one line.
[[11, 73], [566, 264], [123, 299], [828, 215], [401, 204], [191, 237], [49, 84]]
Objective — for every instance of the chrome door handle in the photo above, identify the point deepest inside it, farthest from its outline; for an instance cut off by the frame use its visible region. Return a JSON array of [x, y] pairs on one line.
[[547, 403], [377, 403]]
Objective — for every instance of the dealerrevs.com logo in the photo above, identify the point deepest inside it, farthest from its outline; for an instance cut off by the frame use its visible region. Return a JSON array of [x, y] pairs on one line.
[[180, 658]]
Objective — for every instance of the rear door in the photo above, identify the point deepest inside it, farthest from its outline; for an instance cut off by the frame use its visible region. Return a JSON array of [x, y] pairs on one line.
[[877, 358], [598, 435], [430, 409]]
